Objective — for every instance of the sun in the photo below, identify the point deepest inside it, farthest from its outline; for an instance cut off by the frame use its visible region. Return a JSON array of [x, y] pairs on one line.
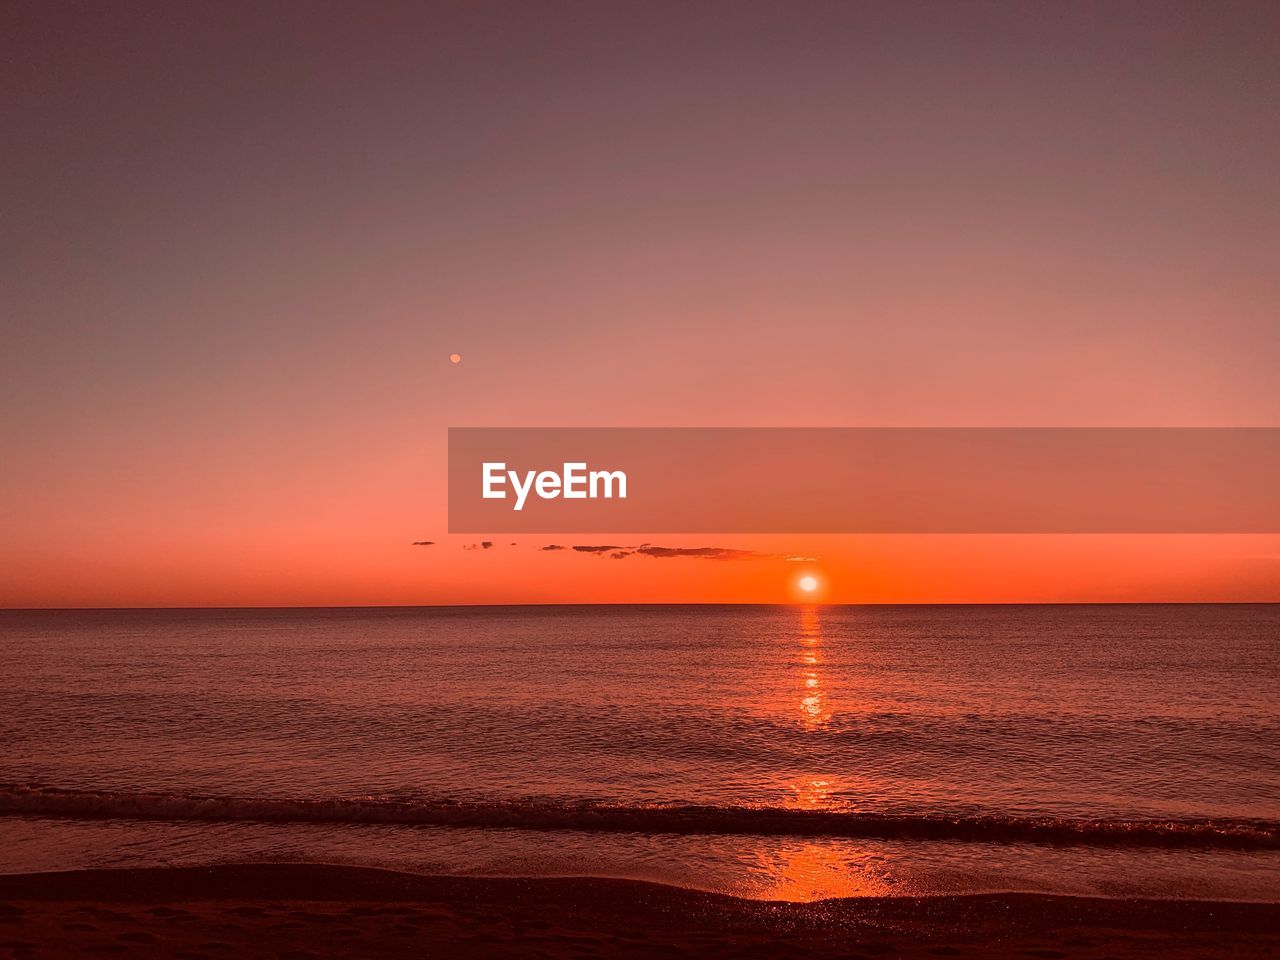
[[809, 586]]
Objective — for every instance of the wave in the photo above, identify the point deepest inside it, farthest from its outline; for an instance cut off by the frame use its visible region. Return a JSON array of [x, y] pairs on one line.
[[26, 800]]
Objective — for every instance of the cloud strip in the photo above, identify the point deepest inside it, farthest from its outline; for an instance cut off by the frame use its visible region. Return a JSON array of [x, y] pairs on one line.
[[616, 552]]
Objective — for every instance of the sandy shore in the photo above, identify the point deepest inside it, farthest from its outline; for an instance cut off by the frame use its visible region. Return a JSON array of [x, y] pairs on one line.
[[299, 911]]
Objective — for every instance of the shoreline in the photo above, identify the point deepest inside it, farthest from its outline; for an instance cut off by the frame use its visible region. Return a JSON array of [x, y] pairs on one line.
[[315, 910]]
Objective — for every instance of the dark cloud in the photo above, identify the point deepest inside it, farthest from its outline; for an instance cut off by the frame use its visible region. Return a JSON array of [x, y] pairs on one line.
[[702, 553], [616, 552], [486, 544], [424, 543]]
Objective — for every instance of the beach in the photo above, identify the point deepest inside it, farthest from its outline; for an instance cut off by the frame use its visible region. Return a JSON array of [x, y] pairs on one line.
[[283, 910]]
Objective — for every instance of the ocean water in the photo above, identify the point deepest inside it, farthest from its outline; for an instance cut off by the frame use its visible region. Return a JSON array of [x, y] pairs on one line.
[[787, 752]]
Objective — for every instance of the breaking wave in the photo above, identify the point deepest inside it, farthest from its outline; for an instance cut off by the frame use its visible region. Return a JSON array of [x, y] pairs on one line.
[[26, 800]]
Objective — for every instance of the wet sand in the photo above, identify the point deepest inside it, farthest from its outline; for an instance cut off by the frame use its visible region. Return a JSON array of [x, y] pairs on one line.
[[303, 911]]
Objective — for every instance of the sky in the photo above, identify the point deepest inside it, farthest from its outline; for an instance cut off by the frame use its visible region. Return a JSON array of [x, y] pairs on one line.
[[240, 245]]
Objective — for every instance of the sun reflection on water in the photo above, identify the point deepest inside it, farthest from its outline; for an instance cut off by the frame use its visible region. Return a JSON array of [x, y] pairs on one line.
[[814, 712], [812, 794], [812, 791]]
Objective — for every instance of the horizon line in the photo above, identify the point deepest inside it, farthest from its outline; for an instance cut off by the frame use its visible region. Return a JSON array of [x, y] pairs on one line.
[[661, 603]]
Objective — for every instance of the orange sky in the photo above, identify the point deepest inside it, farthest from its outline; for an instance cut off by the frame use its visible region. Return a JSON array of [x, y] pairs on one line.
[[239, 252]]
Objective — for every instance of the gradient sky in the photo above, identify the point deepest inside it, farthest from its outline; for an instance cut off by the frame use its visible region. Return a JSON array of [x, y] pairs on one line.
[[240, 244]]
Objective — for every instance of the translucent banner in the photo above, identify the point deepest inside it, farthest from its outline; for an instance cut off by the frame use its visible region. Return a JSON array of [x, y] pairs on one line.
[[864, 480]]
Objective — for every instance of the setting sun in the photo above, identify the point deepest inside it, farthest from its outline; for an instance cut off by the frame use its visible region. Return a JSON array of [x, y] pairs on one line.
[[809, 586]]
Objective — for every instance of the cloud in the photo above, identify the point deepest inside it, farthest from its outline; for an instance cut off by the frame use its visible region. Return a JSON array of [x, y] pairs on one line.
[[616, 552], [702, 553], [486, 544], [424, 543]]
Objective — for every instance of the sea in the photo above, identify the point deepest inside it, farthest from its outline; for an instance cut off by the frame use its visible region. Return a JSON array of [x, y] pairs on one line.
[[775, 752]]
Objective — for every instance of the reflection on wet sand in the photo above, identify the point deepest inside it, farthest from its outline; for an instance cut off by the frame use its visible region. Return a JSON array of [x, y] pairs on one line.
[[806, 871]]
